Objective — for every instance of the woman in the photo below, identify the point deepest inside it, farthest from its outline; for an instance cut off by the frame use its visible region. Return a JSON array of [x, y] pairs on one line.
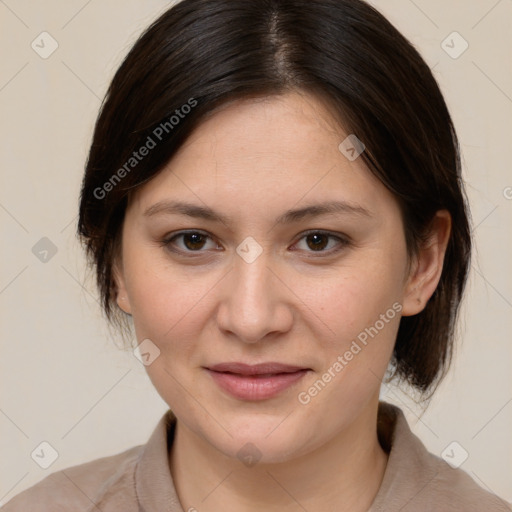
[[273, 197]]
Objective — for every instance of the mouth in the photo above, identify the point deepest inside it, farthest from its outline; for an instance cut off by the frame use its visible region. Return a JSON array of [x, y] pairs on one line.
[[255, 382]]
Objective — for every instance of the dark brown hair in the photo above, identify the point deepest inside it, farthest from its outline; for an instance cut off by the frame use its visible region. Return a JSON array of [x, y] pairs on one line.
[[204, 53]]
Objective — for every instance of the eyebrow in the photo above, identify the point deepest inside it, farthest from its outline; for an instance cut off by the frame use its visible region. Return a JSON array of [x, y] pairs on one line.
[[288, 217]]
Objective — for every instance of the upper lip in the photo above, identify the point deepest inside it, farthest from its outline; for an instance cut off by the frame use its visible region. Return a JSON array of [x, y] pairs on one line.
[[255, 369]]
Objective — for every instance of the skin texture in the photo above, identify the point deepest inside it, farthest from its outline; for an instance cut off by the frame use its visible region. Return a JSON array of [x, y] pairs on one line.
[[201, 304]]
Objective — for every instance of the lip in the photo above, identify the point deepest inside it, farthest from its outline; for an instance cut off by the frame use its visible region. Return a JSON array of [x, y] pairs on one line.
[[255, 382]]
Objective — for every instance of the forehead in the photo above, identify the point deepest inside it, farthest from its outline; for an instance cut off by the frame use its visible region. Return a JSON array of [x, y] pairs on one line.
[[273, 126], [260, 153]]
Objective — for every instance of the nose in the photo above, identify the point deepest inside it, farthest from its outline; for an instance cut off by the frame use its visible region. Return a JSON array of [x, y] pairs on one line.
[[255, 302]]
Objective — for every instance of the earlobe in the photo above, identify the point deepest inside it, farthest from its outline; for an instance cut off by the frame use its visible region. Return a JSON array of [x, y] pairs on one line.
[[121, 293], [123, 303], [428, 265]]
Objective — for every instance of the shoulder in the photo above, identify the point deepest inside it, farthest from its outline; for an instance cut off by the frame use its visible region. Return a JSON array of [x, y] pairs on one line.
[[416, 480], [456, 488], [82, 487]]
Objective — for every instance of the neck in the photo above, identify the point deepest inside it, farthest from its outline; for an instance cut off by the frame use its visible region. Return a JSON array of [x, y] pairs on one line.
[[344, 474]]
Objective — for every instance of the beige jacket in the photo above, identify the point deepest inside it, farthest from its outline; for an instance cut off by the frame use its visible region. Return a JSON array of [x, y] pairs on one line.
[[139, 479]]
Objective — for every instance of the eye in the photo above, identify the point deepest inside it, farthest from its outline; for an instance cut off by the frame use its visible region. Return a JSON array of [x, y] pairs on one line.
[[317, 241], [196, 241], [193, 241]]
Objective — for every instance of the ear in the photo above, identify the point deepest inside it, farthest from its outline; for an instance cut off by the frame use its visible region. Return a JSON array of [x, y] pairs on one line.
[[121, 293], [427, 267]]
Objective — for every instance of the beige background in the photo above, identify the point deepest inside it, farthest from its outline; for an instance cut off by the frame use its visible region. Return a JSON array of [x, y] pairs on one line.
[[64, 381]]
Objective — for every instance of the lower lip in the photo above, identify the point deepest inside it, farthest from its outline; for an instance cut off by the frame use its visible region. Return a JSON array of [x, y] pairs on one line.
[[252, 387]]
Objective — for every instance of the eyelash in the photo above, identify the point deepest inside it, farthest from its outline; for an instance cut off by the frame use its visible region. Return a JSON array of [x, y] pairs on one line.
[[342, 241]]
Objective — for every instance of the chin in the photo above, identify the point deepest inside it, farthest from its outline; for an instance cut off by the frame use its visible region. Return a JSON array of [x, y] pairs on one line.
[[260, 439], [252, 451]]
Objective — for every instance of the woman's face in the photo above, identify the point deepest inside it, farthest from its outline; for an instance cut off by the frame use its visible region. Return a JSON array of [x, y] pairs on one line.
[[320, 291]]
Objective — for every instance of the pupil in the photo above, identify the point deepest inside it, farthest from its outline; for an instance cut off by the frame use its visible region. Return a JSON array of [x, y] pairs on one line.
[[196, 239], [318, 243]]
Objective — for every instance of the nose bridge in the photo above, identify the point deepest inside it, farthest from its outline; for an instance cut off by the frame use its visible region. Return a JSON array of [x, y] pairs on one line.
[[252, 306], [252, 289]]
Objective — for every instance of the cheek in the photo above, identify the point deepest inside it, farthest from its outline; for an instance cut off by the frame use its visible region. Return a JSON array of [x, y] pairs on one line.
[[161, 297], [356, 297], [165, 305], [151, 298], [361, 309], [365, 322]]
